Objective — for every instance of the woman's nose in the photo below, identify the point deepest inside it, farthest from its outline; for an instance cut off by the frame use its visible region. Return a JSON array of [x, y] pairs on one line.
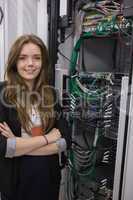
[[30, 61]]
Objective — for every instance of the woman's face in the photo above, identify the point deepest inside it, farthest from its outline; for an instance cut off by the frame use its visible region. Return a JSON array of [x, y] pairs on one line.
[[29, 63]]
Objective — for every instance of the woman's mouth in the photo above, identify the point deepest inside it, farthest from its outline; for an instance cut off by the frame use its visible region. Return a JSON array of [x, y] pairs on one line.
[[30, 71]]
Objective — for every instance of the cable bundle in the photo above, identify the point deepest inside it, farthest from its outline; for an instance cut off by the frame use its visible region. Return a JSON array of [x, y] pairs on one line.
[[95, 103], [102, 17]]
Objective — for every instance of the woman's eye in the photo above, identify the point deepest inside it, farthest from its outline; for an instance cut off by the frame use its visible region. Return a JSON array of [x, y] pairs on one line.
[[21, 58], [37, 58]]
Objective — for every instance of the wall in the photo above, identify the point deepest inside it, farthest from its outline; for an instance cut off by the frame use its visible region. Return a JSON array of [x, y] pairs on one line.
[[20, 17]]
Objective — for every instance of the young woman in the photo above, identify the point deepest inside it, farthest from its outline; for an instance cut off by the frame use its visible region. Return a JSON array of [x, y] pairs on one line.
[[33, 132]]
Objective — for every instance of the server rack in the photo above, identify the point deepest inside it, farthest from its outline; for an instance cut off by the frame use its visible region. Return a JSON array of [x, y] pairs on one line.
[[79, 187]]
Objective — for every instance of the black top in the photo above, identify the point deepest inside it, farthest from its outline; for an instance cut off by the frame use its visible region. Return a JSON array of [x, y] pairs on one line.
[[12, 169]]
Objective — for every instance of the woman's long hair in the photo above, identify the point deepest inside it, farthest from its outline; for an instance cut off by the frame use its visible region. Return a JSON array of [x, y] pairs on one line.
[[16, 91]]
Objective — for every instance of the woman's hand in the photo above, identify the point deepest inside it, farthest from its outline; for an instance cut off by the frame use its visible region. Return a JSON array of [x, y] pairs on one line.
[[53, 135], [5, 130]]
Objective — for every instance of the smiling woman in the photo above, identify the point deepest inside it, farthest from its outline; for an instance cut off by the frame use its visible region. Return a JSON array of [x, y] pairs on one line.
[[33, 132], [28, 68]]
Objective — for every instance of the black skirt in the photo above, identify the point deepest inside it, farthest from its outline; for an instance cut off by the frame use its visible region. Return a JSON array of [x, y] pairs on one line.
[[39, 179]]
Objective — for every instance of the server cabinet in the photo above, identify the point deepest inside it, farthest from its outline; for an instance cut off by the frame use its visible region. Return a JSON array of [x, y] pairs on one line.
[[100, 94]]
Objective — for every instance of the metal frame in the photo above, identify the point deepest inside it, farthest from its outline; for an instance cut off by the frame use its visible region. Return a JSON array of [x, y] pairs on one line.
[[53, 24], [120, 139], [127, 191]]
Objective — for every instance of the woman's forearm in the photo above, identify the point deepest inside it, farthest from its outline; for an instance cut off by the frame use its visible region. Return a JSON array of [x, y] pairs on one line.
[[54, 148], [49, 149], [18, 146], [26, 145]]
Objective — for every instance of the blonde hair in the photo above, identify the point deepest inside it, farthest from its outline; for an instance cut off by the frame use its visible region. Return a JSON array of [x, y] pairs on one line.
[[41, 86]]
